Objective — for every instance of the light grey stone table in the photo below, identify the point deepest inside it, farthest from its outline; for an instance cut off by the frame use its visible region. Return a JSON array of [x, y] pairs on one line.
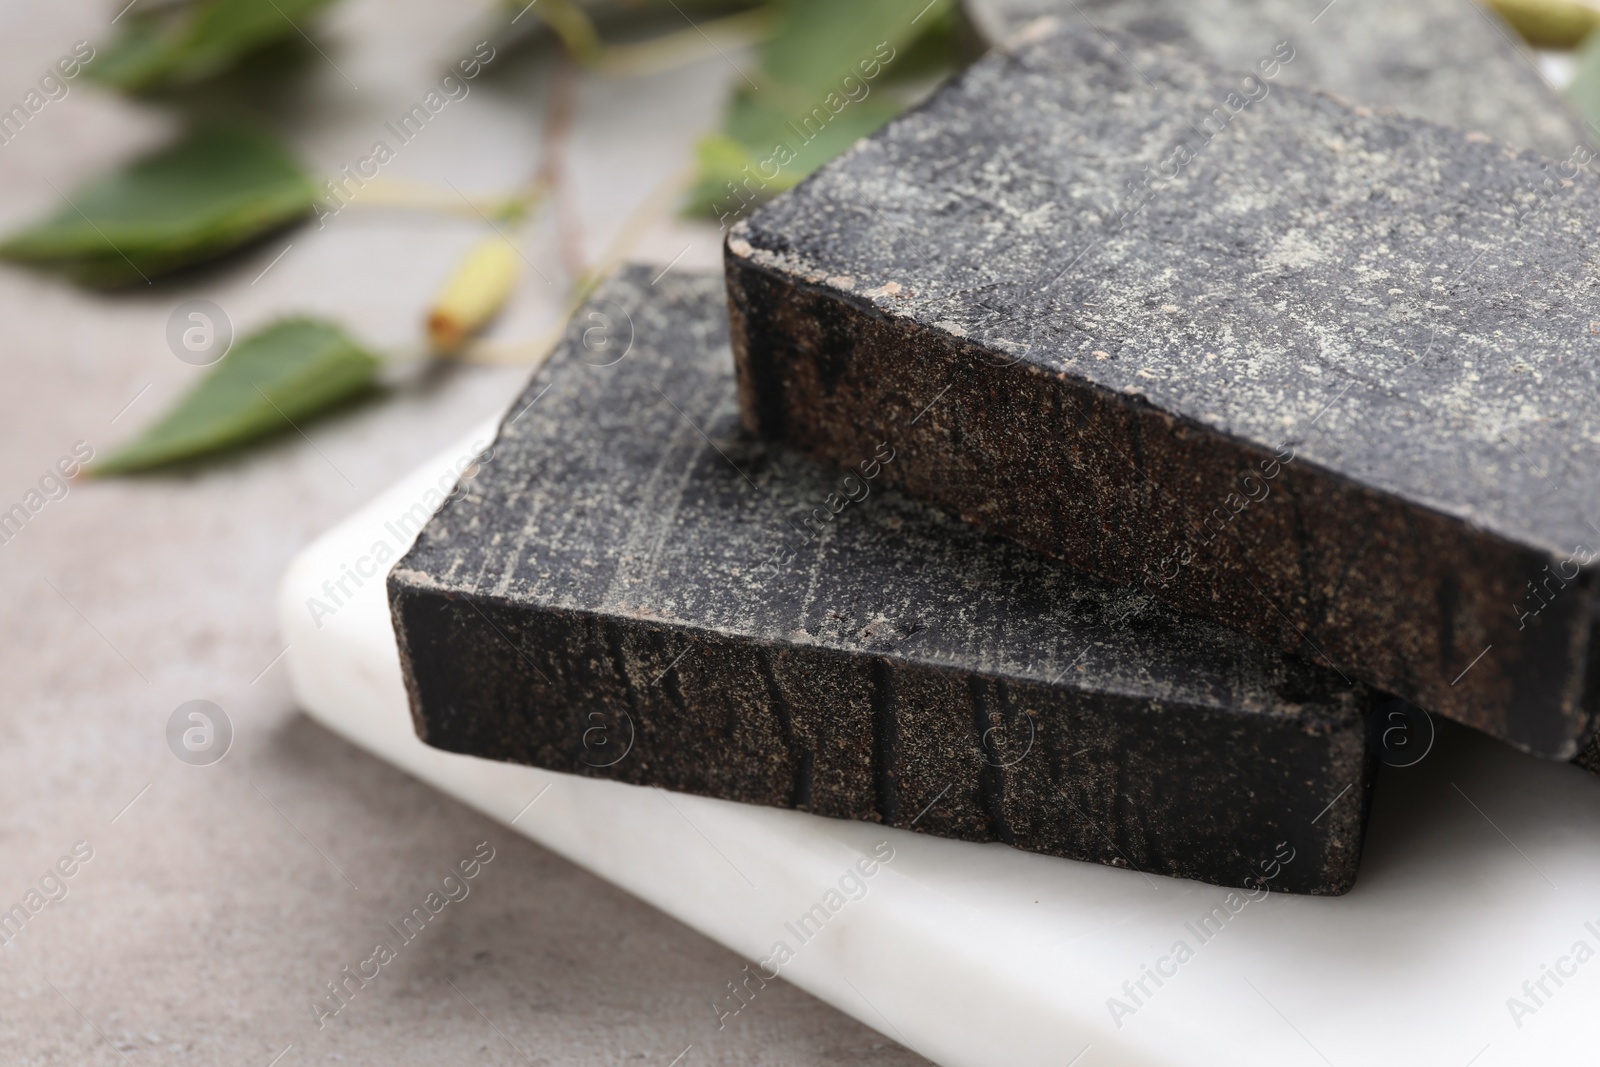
[[220, 899]]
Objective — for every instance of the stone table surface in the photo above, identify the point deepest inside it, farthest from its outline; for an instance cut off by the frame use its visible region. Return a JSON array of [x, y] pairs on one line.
[[219, 900]]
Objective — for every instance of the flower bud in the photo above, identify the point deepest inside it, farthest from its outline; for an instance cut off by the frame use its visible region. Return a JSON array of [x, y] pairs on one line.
[[474, 294]]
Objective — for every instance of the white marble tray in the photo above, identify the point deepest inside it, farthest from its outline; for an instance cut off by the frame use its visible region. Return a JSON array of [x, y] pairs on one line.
[[1481, 870]]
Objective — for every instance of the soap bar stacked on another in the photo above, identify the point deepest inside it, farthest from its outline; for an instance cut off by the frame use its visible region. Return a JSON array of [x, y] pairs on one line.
[[1324, 376], [1306, 383], [630, 590]]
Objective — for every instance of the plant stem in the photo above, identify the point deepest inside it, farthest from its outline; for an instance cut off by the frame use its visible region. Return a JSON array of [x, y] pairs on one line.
[[572, 25], [420, 196], [682, 47]]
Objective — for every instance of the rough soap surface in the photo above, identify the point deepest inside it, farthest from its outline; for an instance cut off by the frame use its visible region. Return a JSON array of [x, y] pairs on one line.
[[629, 569], [1452, 61], [1323, 375]]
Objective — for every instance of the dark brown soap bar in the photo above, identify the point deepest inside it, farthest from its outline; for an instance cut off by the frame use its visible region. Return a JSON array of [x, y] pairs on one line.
[[1589, 758], [1451, 61], [1324, 376], [631, 588]]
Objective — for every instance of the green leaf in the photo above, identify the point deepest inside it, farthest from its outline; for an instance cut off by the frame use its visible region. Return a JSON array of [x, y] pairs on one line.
[[733, 169], [719, 160], [819, 43], [948, 42], [270, 382], [826, 78], [1583, 91], [182, 44], [213, 191]]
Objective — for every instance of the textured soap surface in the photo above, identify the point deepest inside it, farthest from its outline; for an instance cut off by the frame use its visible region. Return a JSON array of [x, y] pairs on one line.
[[1452, 61], [632, 588], [1326, 376]]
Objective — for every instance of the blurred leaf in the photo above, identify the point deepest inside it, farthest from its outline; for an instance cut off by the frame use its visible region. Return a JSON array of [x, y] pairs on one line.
[[824, 81], [733, 169], [1549, 23], [211, 192], [270, 382], [719, 159], [947, 43], [182, 44], [1583, 91], [818, 43]]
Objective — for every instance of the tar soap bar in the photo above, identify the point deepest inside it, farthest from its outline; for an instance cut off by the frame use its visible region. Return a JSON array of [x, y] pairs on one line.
[[1322, 375], [1452, 61], [631, 588]]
